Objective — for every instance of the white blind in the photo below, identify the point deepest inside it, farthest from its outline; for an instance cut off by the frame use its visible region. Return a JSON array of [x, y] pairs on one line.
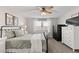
[[46, 23], [37, 23], [41, 25]]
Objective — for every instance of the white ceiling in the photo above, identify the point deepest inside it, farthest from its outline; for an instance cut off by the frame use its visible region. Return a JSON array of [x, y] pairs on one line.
[[28, 10]]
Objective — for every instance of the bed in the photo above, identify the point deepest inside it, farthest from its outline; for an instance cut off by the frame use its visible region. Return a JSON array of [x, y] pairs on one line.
[[26, 43]]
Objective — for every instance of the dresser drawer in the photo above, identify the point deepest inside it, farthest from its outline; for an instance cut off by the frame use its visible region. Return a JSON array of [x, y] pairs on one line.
[[68, 43]]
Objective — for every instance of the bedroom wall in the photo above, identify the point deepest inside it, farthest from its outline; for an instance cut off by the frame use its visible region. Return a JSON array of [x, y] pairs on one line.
[[53, 22], [62, 19], [2, 17], [29, 24]]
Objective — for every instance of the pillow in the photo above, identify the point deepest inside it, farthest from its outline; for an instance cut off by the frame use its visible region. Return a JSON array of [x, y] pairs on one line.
[[9, 34], [3, 34], [19, 33], [14, 33]]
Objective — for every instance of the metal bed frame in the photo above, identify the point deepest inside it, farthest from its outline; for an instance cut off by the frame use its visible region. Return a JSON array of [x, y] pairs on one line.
[[8, 26], [46, 42]]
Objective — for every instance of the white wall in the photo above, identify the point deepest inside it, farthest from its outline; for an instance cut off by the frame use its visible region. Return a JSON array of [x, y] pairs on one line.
[[29, 24], [53, 22], [2, 17], [63, 18]]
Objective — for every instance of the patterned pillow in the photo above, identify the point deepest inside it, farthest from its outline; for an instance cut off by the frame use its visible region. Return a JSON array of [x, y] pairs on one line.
[[14, 33], [9, 34], [19, 33]]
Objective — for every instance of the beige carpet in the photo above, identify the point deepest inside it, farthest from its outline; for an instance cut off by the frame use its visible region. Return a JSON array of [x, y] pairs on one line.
[[57, 47]]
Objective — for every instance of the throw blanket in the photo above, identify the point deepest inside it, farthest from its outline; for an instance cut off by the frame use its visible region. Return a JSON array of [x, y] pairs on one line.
[[36, 46], [18, 44]]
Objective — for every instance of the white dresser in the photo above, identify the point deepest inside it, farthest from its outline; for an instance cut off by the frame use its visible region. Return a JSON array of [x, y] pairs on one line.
[[2, 45], [70, 36]]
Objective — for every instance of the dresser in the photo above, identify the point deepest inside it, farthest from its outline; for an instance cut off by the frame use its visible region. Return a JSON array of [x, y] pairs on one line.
[[70, 36], [57, 31]]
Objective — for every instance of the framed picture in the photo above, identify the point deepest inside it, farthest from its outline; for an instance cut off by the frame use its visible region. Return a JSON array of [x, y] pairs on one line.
[[15, 21], [9, 19]]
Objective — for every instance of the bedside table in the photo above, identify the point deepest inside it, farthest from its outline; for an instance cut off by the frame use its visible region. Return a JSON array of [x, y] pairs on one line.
[[2, 45]]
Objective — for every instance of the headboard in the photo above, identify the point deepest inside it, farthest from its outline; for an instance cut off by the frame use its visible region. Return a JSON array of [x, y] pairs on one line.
[[9, 28]]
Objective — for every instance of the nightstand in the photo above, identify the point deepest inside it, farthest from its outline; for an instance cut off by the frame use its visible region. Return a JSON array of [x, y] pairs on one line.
[[2, 45]]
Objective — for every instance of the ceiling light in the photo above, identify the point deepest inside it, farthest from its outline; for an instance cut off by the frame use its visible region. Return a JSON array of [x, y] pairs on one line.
[[46, 10], [43, 13]]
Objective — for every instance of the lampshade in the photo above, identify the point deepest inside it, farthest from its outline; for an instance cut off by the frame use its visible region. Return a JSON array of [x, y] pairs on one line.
[[24, 27], [43, 13]]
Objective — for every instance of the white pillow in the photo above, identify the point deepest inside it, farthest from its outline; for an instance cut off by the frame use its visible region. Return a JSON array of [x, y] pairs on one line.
[[19, 33], [4, 34]]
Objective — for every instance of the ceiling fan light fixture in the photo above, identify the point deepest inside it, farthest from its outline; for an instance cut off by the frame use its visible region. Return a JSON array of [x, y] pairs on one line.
[[46, 10], [43, 13]]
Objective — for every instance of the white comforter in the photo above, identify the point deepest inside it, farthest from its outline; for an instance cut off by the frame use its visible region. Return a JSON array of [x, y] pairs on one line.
[[36, 43], [29, 37]]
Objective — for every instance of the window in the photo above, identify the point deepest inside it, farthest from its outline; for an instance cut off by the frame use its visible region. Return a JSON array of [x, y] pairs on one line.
[[42, 25], [37, 23], [46, 23]]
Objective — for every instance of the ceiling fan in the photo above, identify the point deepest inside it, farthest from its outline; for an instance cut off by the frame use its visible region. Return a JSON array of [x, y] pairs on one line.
[[46, 10]]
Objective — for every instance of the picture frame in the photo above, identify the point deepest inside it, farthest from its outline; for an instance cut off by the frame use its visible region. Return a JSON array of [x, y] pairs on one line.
[[15, 21], [9, 19]]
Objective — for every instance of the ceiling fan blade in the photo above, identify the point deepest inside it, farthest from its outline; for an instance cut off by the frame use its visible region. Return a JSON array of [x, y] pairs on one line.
[[46, 9]]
